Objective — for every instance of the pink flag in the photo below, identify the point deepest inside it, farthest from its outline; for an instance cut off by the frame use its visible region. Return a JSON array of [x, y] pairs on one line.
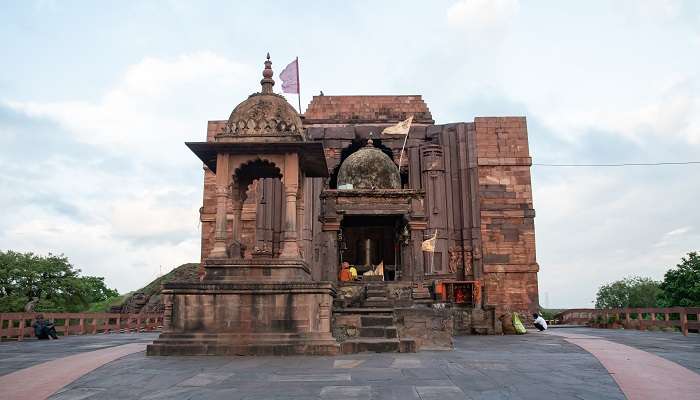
[[290, 77]]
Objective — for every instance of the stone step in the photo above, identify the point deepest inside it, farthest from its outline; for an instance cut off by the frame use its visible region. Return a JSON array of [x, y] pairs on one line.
[[376, 293], [378, 346], [364, 310], [376, 303], [378, 332], [376, 321], [219, 349]]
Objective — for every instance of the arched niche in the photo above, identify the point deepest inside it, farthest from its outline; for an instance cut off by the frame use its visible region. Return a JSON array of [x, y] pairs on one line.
[[251, 170]]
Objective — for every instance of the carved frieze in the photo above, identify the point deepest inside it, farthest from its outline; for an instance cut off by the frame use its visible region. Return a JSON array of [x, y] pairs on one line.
[[263, 114]]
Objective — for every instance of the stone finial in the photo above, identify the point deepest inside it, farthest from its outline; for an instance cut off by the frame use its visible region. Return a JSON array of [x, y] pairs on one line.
[[370, 142], [267, 82]]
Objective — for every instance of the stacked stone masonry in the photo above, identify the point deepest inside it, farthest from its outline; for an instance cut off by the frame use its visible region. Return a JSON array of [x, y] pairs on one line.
[[277, 222]]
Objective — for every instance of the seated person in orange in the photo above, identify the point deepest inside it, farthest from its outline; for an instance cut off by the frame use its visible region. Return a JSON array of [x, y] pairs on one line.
[[345, 274]]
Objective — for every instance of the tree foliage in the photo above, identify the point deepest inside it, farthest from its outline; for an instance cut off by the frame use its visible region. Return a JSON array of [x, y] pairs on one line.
[[629, 292], [681, 285], [51, 279]]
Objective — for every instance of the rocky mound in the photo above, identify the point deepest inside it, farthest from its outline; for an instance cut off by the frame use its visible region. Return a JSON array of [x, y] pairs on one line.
[[148, 298]]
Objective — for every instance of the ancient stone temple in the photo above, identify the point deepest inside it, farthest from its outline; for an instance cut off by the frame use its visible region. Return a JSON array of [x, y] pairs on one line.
[[289, 198]]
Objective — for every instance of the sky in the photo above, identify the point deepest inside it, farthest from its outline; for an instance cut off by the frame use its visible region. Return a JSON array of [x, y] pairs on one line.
[[97, 98]]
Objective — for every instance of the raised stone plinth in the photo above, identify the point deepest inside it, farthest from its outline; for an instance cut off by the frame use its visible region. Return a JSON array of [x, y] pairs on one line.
[[259, 269], [247, 318]]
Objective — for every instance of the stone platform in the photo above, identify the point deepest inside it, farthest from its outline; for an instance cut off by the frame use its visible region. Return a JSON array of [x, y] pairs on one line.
[[246, 318], [480, 367]]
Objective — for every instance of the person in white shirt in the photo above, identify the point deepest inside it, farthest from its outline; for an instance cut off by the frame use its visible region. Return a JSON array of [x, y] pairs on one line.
[[540, 323]]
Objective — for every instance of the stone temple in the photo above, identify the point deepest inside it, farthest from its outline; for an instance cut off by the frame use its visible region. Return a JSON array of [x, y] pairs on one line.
[[288, 198]]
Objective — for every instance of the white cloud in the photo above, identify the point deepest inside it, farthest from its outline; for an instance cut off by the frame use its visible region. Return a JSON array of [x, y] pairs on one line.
[[157, 105], [122, 221], [475, 15], [675, 117], [664, 10], [673, 236]]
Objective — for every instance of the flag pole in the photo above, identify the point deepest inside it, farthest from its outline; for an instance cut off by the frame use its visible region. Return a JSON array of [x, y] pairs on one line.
[[298, 86], [405, 139]]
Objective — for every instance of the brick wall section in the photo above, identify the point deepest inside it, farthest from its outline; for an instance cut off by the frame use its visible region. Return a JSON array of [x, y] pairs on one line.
[[507, 214], [208, 213], [366, 109]]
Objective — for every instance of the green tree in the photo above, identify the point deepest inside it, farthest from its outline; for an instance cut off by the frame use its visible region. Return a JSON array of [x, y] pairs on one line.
[[681, 285], [629, 292], [52, 280]]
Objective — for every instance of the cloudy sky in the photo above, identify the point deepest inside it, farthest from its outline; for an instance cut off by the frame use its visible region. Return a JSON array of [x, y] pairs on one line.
[[96, 99]]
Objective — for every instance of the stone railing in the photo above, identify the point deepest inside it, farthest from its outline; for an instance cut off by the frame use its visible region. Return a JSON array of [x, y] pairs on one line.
[[574, 316], [685, 318], [18, 326]]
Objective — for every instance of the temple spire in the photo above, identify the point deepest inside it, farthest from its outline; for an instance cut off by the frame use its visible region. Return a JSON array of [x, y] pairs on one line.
[[267, 82]]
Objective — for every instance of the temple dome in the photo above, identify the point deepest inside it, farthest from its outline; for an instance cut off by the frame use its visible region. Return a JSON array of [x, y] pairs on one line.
[[369, 168], [265, 113]]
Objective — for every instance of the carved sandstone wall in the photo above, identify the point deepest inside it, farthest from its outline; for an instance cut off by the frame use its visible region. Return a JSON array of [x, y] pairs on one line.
[[507, 213]]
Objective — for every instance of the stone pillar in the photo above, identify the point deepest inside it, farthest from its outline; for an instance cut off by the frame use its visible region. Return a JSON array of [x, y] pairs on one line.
[[167, 312], [236, 232], [414, 248], [290, 248], [329, 253], [222, 188]]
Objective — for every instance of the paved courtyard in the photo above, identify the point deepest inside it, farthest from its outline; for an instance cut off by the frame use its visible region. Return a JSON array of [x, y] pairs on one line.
[[533, 366]]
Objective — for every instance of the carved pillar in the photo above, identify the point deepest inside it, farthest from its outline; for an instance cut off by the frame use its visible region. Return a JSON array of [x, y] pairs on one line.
[[236, 250], [433, 176], [300, 222], [330, 226], [261, 216], [290, 248], [324, 314], [417, 267], [222, 188], [167, 312]]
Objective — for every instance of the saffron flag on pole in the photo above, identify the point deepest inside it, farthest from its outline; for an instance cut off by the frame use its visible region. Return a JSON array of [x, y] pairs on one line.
[[401, 128], [429, 244], [290, 77]]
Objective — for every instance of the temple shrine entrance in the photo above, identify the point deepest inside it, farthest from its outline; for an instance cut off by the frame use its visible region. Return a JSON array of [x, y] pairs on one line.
[[371, 243]]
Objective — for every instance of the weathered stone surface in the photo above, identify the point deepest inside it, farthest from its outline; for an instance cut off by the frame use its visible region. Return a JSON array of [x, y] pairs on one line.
[[467, 184], [369, 168]]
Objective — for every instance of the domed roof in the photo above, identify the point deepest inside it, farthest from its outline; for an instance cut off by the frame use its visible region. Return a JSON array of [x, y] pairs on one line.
[[265, 113], [369, 168]]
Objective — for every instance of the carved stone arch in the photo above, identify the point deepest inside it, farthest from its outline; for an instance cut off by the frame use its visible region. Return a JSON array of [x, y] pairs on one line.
[[250, 170]]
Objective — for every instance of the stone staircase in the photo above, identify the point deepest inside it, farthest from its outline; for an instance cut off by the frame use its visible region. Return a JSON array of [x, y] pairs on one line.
[[375, 296], [421, 294], [377, 333]]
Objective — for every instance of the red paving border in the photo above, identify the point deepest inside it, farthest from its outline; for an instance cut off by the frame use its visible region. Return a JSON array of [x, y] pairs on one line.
[[41, 381], [640, 374]]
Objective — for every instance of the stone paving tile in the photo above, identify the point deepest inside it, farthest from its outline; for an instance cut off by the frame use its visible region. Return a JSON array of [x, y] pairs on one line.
[[311, 378], [400, 362], [77, 394], [345, 392], [347, 363], [394, 392], [440, 393], [481, 367], [18, 355], [205, 379], [672, 346]]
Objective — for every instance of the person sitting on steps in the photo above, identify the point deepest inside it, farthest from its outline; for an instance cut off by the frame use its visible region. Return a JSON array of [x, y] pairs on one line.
[[345, 274]]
